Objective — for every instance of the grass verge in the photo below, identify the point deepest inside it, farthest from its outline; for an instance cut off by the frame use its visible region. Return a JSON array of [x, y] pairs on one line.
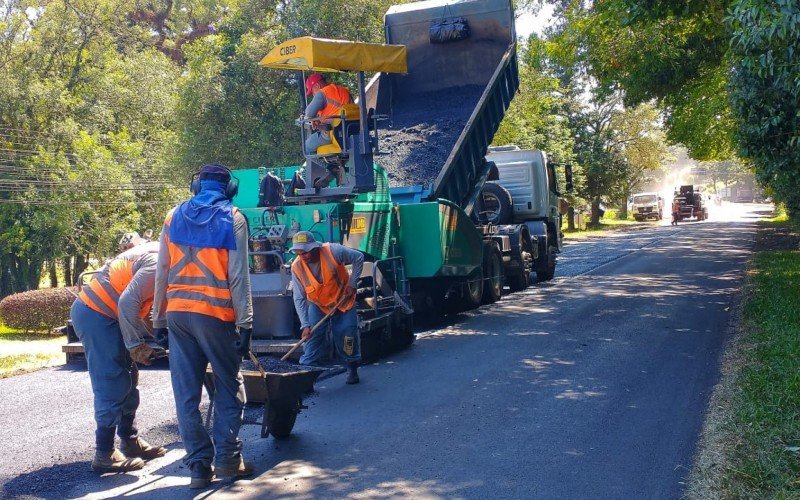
[[25, 352], [751, 441]]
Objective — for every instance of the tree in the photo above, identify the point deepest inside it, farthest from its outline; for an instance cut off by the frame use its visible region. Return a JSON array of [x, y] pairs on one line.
[[765, 92], [727, 83], [641, 142]]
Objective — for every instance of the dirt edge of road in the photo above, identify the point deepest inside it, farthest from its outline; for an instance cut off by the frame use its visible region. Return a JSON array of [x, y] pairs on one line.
[[711, 465]]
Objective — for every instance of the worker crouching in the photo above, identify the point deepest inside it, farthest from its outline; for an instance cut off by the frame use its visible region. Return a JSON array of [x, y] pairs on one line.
[[321, 287], [110, 319], [203, 297]]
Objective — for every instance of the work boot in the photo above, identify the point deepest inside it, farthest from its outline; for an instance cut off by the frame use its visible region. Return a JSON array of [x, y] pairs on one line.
[[115, 461], [352, 374], [140, 448], [202, 475], [242, 469], [339, 173], [324, 181]]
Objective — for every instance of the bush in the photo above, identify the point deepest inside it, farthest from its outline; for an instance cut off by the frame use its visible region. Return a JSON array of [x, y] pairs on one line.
[[37, 310]]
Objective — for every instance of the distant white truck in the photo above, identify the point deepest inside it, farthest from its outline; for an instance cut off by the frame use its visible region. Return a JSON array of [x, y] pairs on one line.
[[647, 206]]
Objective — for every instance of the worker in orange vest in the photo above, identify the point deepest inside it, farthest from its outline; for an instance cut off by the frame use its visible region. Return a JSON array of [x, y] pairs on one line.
[[110, 317], [202, 296], [327, 102], [320, 284]]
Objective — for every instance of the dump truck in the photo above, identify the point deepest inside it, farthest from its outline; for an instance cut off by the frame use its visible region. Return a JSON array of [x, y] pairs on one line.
[[690, 203], [413, 176]]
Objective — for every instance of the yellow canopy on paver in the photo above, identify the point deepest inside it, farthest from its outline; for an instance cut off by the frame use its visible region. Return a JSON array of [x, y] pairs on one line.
[[321, 54]]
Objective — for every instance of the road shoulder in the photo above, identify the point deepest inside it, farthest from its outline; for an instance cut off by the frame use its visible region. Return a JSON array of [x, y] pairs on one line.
[[740, 425]]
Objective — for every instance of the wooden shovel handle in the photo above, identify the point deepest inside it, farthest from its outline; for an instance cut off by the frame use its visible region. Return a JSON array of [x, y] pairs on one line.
[[314, 328]]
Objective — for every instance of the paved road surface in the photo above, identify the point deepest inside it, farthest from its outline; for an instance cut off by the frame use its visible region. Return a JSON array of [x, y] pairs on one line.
[[592, 385]]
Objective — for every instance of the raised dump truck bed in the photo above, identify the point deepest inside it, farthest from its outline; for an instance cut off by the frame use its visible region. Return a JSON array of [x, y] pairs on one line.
[[445, 111]]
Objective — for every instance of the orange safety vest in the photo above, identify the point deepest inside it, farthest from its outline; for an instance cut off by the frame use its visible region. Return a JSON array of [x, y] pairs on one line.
[[334, 281], [104, 289], [336, 96], [197, 280]]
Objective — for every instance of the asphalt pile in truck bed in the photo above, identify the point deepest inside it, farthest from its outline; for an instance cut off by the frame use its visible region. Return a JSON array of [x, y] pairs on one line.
[[421, 132]]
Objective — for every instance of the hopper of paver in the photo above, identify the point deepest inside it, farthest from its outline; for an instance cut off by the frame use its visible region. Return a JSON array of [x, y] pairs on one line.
[[443, 114]]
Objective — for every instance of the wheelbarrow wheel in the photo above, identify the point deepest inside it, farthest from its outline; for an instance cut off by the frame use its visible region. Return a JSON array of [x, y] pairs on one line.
[[281, 420]]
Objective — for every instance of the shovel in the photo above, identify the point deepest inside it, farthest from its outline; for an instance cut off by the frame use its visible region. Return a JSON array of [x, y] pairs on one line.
[[314, 328]]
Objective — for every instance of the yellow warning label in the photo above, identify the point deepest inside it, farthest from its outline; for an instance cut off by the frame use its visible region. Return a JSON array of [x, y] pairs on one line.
[[359, 225]]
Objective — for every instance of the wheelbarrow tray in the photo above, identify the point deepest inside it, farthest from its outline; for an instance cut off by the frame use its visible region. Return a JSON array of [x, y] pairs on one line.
[[281, 395], [278, 386]]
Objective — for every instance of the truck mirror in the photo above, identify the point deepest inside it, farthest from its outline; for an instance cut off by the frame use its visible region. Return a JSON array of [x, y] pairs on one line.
[[568, 176]]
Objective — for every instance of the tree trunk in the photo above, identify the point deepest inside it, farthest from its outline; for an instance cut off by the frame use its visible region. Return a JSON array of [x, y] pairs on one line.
[[571, 218], [623, 209], [34, 274], [51, 269], [80, 266], [68, 271], [6, 286], [595, 220]]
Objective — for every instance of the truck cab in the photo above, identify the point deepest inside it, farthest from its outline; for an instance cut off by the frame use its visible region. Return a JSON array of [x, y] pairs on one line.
[[525, 191]]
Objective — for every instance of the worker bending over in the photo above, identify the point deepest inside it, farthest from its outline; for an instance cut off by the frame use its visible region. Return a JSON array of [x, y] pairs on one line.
[[110, 317], [203, 296], [321, 284]]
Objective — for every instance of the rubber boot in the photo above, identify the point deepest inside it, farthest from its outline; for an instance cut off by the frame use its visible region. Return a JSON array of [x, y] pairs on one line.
[[138, 447], [115, 461], [202, 475], [352, 374], [242, 469]]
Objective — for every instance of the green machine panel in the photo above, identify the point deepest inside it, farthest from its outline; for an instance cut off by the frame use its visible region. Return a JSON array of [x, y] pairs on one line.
[[437, 239]]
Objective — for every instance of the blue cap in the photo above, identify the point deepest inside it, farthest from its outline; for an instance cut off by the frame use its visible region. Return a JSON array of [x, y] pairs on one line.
[[215, 171]]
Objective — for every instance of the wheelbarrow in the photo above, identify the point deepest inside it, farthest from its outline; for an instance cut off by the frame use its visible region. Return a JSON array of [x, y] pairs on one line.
[[280, 393]]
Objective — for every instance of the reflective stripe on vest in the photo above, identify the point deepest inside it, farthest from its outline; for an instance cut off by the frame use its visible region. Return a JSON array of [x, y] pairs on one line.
[[336, 96], [198, 280], [335, 279], [103, 291]]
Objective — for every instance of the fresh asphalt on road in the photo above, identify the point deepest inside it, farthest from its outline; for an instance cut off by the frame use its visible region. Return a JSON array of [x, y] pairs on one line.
[[593, 385]]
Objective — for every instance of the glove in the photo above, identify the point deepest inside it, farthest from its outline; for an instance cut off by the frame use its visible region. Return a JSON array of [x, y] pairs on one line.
[[243, 344], [162, 337], [142, 354]]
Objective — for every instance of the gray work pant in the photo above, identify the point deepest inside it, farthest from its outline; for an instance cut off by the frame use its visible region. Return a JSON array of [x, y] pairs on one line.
[[113, 374], [194, 341], [316, 139]]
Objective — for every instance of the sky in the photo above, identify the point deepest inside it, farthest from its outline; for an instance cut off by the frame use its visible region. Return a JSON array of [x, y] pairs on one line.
[[528, 23]]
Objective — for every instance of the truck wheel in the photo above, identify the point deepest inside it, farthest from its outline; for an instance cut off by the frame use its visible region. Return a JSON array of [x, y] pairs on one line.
[[548, 274], [473, 291], [493, 273], [281, 422], [498, 206], [518, 282]]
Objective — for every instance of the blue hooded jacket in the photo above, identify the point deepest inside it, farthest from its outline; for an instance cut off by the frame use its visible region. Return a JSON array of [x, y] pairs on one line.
[[205, 220]]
